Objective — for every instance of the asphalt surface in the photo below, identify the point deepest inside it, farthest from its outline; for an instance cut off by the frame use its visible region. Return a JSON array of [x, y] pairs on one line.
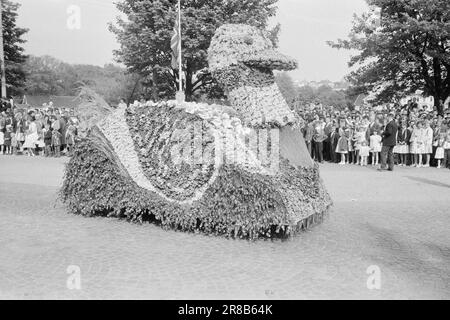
[[386, 238]]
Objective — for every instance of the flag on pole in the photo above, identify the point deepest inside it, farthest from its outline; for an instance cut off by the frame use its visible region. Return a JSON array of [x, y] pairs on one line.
[[175, 43]]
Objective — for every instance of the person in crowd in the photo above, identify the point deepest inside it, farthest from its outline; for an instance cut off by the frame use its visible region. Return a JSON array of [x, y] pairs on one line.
[[31, 137], [309, 132], [359, 138], [20, 131], [334, 138], [389, 141], [364, 151], [3, 121], [2, 142], [439, 155], [318, 138], [375, 147], [328, 130], [56, 126], [402, 147], [419, 148], [350, 135], [7, 140], [70, 137], [343, 143], [56, 143], [47, 132], [427, 143], [446, 161], [13, 141]]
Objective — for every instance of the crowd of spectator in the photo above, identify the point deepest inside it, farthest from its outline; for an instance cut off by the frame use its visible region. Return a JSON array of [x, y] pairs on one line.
[[45, 131], [338, 136], [355, 137]]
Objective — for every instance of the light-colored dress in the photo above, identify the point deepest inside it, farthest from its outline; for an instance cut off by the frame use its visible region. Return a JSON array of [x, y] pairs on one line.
[[31, 139], [416, 141], [440, 150], [364, 151], [428, 141], [342, 146], [359, 138], [375, 143]]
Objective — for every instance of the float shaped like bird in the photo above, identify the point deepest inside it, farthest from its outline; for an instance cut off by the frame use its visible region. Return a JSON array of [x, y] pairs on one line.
[[240, 171]]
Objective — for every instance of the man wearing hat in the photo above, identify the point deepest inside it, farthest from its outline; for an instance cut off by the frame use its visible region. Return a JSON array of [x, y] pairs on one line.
[[389, 142]]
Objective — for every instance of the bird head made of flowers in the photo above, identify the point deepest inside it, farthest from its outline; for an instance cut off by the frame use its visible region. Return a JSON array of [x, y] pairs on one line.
[[239, 44], [242, 60]]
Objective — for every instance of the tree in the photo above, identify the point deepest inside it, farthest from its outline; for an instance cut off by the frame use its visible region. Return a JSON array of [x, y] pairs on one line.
[[325, 95], [49, 76], [146, 33], [13, 41], [329, 97], [407, 51]]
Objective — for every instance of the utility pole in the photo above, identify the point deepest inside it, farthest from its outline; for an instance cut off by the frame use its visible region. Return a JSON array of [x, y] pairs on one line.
[[2, 53]]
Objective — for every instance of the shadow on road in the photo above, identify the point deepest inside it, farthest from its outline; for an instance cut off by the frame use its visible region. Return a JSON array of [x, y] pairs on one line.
[[428, 181]]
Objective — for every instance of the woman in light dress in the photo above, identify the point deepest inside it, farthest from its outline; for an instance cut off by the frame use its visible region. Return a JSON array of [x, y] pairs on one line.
[[31, 137], [20, 131], [360, 137], [427, 142], [439, 156], [417, 147], [375, 147], [342, 145]]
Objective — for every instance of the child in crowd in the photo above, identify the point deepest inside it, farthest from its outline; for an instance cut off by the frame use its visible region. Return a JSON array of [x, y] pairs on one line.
[[343, 143], [417, 145], [427, 143], [364, 150], [446, 162], [70, 138], [7, 140], [2, 142], [360, 137], [56, 143], [13, 142], [439, 156], [40, 142], [402, 147], [47, 132], [375, 147], [351, 145]]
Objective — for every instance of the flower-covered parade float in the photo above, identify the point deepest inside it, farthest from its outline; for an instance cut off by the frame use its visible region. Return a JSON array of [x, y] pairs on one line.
[[240, 171]]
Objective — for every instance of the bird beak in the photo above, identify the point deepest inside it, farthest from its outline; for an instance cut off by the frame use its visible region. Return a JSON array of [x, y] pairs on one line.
[[271, 59]]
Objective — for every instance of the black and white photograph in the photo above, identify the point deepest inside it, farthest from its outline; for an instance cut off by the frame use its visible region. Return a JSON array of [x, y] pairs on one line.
[[225, 151]]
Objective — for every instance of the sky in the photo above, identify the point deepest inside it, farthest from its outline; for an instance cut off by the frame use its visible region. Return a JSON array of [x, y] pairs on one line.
[[306, 26]]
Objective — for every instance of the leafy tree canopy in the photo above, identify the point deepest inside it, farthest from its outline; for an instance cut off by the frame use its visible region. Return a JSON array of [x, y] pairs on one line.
[[49, 76], [407, 49], [14, 52], [146, 32]]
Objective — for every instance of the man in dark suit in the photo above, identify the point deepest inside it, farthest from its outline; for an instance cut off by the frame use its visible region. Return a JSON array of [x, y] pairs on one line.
[[389, 141]]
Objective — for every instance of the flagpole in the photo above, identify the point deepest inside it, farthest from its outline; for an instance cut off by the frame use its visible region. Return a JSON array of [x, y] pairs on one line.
[[180, 66], [2, 55], [180, 95]]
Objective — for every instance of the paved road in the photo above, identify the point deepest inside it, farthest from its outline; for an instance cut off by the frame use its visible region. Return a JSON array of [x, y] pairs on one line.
[[396, 223]]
